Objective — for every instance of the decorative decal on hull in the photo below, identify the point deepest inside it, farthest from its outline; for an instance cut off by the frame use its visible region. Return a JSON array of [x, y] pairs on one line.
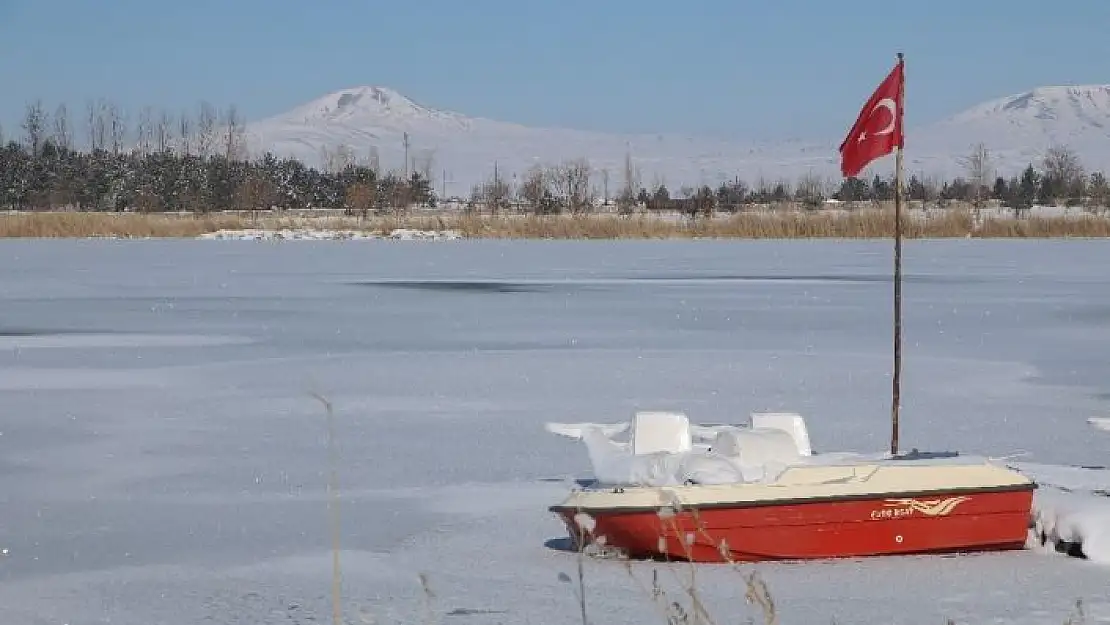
[[898, 508]]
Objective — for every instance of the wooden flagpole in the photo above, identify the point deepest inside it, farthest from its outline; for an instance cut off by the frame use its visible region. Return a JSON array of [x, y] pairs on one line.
[[897, 377]]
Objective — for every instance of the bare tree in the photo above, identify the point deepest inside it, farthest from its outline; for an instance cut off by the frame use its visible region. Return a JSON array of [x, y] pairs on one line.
[[234, 143], [337, 159], [95, 114], [162, 137], [360, 198], [763, 189], [427, 161], [145, 130], [1098, 192], [977, 165], [395, 192], [1064, 177], [685, 192], [117, 126], [572, 183], [34, 126], [206, 129], [63, 138], [375, 161], [185, 134], [930, 190], [810, 190], [493, 194], [626, 199], [90, 125], [534, 189], [781, 193]]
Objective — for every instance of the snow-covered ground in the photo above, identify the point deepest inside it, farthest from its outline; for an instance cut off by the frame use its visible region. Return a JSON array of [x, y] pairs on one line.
[[162, 459], [324, 234]]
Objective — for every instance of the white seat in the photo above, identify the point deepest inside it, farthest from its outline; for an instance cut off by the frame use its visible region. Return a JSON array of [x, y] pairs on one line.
[[660, 431], [757, 446], [791, 422]]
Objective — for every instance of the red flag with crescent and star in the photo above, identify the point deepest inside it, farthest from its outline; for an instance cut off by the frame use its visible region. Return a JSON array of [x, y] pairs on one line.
[[878, 129]]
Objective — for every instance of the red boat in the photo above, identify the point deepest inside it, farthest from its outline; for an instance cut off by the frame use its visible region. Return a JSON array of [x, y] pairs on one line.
[[888, 507], [844, 506], [812, 512]]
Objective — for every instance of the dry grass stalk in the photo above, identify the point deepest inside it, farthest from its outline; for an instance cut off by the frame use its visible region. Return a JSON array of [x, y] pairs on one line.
[[333, 506]]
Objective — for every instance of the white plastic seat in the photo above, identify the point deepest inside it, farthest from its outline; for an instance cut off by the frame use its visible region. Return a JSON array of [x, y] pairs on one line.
[[757, 446], [791, 422], [660, 431]]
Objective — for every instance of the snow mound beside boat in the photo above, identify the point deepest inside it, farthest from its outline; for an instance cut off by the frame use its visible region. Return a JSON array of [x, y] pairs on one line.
[[1071, 510], [1073, 523]]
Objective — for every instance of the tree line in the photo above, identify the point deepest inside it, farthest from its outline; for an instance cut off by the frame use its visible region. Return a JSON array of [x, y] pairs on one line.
[[188, 163], [1058, 179], [197, 161]]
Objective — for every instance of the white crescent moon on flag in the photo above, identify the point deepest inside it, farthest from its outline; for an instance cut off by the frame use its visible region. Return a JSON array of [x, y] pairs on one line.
[[889, 105]]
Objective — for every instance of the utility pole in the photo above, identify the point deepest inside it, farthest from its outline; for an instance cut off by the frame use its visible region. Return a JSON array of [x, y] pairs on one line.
[[406, 144]]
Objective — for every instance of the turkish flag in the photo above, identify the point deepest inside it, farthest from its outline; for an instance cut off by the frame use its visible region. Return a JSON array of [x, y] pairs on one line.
[[878, 129]]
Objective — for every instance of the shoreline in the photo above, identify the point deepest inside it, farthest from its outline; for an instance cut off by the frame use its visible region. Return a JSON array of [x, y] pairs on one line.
[[862, 223]]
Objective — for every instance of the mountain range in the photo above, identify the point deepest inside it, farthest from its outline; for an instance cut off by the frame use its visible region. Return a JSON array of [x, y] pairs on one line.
[[372, 122]]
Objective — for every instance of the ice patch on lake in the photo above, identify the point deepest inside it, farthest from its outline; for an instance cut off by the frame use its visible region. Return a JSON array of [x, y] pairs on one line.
[[113, 340], [306, 234], [64, 378]]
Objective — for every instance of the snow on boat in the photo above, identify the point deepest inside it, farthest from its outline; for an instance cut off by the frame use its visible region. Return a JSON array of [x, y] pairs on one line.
[[742, 494]]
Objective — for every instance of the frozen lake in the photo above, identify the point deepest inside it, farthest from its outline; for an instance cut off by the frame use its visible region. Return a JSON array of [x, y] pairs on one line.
[[162, 459]]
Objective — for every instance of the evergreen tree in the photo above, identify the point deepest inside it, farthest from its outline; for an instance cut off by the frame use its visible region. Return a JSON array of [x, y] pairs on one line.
[[1000, 191], [55, 177], [852, 190], [1028, 189], [915, 190], [1098, 192]]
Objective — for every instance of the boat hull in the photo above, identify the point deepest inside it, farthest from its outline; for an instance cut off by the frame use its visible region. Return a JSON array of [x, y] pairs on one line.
[[948, 521]]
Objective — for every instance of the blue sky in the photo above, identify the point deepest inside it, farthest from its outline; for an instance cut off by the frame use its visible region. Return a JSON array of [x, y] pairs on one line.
[[773, 69]]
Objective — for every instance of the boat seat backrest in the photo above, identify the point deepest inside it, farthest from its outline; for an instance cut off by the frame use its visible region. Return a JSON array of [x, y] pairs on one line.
[[757, 446], [790, 422], [660, 431]]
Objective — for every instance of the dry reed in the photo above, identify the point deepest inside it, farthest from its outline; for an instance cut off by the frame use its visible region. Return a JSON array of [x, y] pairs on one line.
[[869, 223]]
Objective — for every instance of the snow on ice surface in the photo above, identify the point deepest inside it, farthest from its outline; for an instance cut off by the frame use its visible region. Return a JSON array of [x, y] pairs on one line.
[[198, 491], [314, 234]]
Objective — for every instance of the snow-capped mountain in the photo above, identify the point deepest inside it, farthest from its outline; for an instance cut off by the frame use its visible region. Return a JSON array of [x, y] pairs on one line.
[[1018, 128], [459, 150], [378, 107]]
